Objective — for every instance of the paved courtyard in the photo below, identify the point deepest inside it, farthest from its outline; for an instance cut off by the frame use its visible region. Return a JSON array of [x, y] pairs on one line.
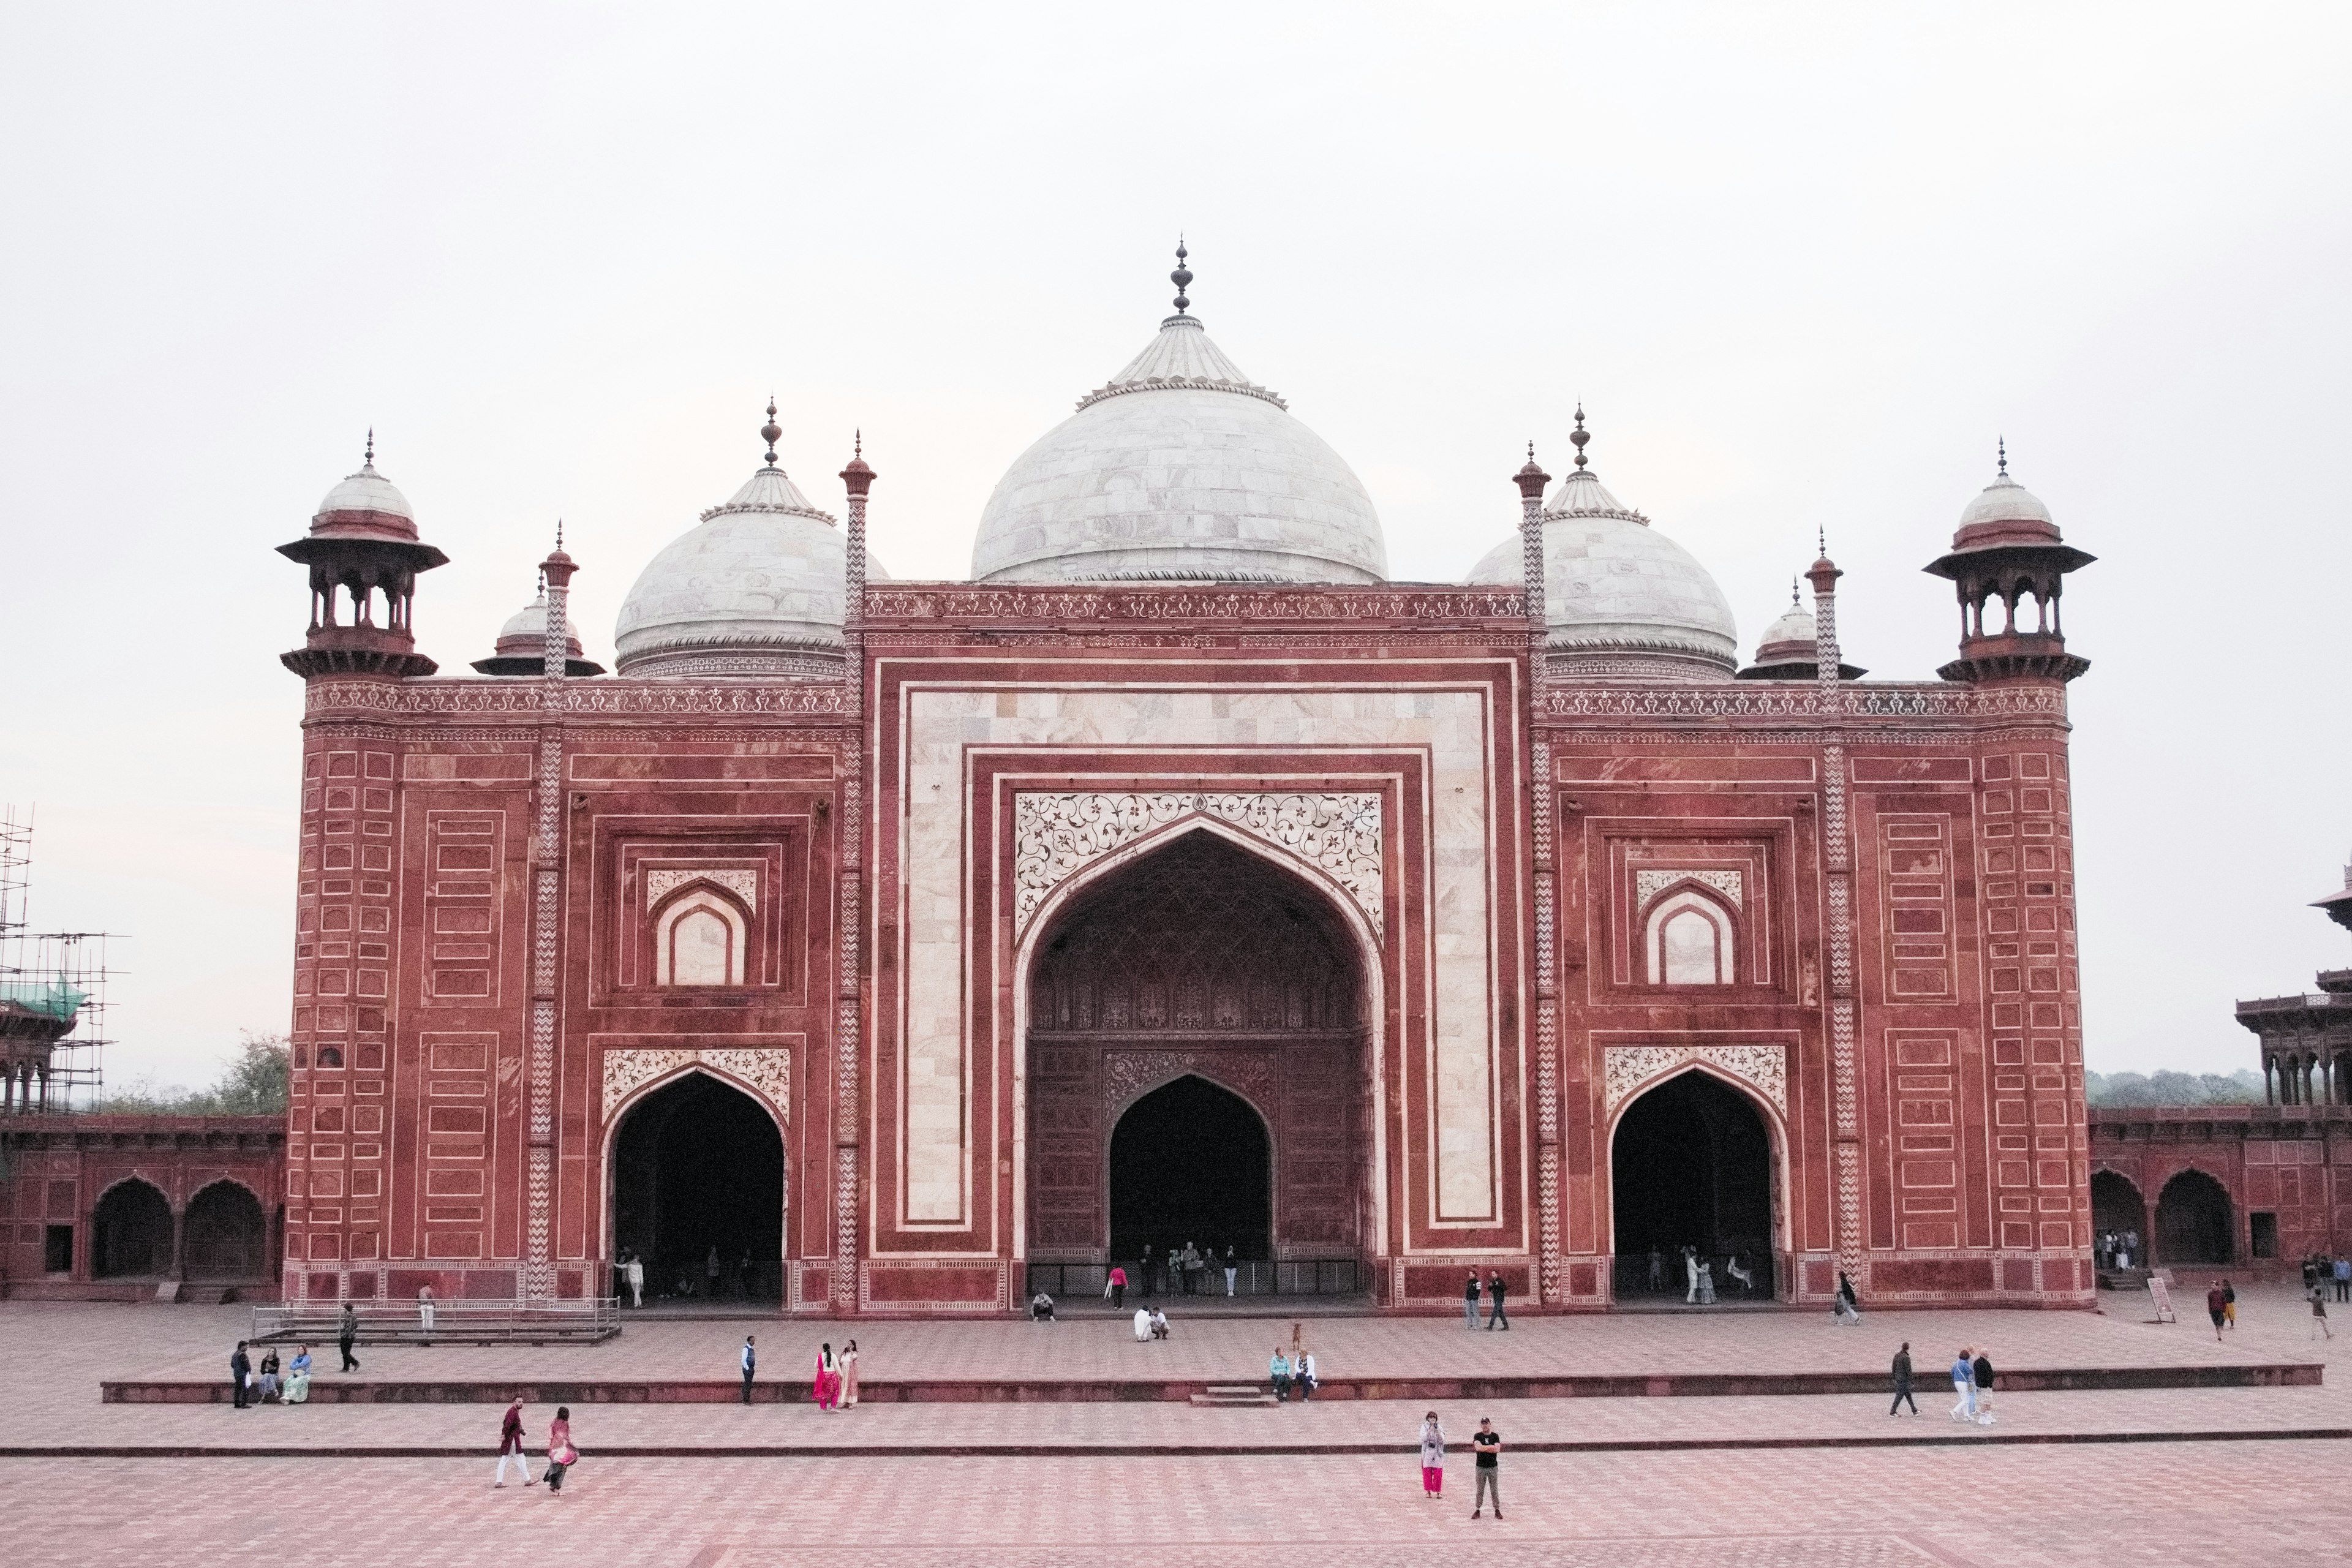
[[2094, 1477]]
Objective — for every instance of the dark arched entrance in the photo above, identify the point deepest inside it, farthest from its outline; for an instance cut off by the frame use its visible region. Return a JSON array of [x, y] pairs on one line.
[[229, 1235], [2192, 1221], [1201, 964], [1692, 1167], [699, 1165], [1190, 1164], [130, 1232], [2118, 1209]]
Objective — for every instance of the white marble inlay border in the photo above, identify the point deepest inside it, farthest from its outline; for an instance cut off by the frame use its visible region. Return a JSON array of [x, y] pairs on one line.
[[1648, 885], [1625, 1068], [1055, 836], [742, 881], [768, 1069]]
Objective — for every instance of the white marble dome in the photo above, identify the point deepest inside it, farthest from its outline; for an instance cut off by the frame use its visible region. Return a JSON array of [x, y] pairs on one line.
[[1619, 597], [526, 629], [366, 491], [757, 587], [1181, 467], [2004, 500], [1796, 629]]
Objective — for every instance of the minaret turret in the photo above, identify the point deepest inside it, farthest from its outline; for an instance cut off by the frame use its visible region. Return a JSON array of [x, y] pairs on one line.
[[2008, 551], [363, 549]]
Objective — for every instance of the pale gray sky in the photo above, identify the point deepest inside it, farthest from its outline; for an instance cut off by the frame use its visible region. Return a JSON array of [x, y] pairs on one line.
[[1801, 263]]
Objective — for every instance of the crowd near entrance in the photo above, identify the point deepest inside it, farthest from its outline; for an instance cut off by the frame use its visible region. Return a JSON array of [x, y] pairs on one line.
[[1691, 1174], [698, 1195]]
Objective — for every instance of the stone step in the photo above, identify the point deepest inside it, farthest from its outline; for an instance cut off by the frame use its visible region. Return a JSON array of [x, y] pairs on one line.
[[1232, 1397]]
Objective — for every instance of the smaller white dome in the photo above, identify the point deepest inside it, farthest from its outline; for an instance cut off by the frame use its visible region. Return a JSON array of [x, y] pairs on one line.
[[2005, 500], [1796, 624], [366, 491], [530, 625]]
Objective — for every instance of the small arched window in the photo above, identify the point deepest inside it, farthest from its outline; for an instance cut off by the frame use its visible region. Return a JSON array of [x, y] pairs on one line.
[[1686, 940], [330, 1056], [698, 940]]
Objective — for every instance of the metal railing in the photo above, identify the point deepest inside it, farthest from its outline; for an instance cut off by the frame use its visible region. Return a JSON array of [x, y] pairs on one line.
[[474, 1323], [1252, 1277]]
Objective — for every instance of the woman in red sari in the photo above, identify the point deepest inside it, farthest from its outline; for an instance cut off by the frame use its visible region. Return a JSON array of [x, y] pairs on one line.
[[825, 1391]]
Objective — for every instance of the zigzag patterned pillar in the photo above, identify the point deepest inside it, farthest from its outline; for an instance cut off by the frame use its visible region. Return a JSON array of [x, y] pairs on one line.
[[842, 1278], [1837, 857], [547, 920], [1532, 481]]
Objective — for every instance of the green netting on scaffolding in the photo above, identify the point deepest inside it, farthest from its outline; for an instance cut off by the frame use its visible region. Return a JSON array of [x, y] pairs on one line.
[[51, 998]]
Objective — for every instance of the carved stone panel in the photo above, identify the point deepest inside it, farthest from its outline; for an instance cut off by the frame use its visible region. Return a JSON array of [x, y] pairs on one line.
[[766, 1069], [1764, 1068]]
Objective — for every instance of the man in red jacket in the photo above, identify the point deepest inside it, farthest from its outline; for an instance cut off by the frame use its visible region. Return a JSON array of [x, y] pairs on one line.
[[510, 1445]]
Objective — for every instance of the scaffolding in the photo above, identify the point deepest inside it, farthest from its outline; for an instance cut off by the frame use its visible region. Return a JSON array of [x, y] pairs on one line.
[[53, 993]]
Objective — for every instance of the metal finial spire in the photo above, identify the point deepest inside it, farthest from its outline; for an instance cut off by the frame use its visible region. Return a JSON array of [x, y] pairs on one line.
[[2001, 446], [1181, 277], [369, 460], [1792, 591], [1579, 435], [858, 443], [1822, 538], [559, 536], [770, 431]]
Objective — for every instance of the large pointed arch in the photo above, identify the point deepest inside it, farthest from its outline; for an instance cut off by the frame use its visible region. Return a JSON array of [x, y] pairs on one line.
[[1778, 1161], [680, 1068], [1328, 897]]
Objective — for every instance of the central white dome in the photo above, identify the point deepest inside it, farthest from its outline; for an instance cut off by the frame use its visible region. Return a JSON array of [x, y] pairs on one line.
[[1180, 468]]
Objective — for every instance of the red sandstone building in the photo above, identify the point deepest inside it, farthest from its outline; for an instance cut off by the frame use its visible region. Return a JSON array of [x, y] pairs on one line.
[[1179, 878]]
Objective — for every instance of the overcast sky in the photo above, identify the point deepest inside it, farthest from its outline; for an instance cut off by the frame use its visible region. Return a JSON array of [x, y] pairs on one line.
[[1802, 265]]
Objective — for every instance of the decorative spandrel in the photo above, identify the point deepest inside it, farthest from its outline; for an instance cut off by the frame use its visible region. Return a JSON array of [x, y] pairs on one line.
[[1057, 836], [1626, 1070]]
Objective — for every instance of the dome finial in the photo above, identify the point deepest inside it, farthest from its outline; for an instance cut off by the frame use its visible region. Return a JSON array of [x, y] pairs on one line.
[[2001, 444], [771, 430], [1579, 435], [1792, 592], [857, 442], [1182, 278], [559, 536], [368, 461]]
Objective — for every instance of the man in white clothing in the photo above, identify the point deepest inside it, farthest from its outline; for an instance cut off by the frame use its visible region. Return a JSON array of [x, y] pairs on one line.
[[1142, 1324]]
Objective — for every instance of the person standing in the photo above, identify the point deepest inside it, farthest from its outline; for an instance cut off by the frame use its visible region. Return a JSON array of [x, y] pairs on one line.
[[1494, 1313], [1657, 1270], [1903, 1381], [347, 1334], [751, 1366], [711, 1275], [1432, 1456], [240, 1369], [1964, 1384], [1981, 1375], [2216, 1307], [1488, 1444], [2229, 1302], [424, 1313], [1143, 1272], [510, 1445], [2319, 1329], [849, 1376], [1470, 1301], [1233, 1269], [824, 1390], [637, 1277], [2344, 1278], [560, 1455], [1192, 1269], [1175, 1271], [1116, 1288]]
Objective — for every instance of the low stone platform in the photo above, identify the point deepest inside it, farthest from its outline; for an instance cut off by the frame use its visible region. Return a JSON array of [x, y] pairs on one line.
[[541, 1390]]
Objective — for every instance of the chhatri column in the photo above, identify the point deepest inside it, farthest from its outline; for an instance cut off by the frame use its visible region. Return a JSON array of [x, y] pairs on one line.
[[1837, 865], [842, 1278], [1532, 481], [547, 923]]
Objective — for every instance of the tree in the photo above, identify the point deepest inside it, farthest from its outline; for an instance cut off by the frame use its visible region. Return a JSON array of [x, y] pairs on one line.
[[253, 1082], [2166, 1088]]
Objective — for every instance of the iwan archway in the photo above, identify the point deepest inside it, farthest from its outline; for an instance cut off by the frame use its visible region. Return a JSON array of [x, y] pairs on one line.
[[1694, 1172], [697, 1192], [1194, 1014]]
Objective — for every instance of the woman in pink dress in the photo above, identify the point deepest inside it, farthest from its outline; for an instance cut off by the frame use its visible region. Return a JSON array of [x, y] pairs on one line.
[[849, 1375], [826, 1390]]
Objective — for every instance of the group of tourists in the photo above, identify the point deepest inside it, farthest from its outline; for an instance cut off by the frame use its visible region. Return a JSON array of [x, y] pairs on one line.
[[271, 1383], [1972, 1378], [833, 1387], [1292, 1373], [2222, 1306], [2116, 1248], [559, 1454], [2321, 1272], [1186, 1272], [1697, 1269], [1498, 1291], [1486, 1449]]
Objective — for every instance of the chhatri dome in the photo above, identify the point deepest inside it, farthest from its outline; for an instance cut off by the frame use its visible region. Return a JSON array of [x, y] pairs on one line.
[[1619, 597], [755, 588], [1180, 468], [521, 647]]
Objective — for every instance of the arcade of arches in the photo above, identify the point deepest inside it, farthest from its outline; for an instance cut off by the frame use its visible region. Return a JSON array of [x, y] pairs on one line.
[[698, 1165], [1197, 1059], [1691, 1165], [225, 1235]]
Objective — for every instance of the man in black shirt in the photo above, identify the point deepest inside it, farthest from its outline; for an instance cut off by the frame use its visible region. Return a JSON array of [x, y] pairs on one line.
[[1488, 1444], [240, 1369], [1494, 1313]]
